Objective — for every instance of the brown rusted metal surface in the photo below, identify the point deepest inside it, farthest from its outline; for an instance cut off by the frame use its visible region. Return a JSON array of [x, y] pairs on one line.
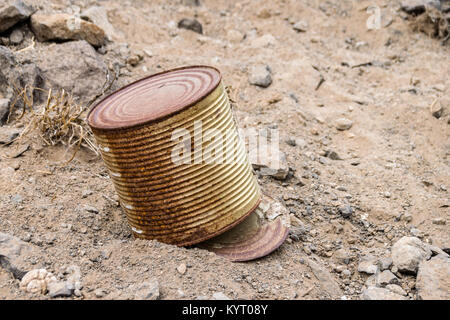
[[253, 238], [180, 204]]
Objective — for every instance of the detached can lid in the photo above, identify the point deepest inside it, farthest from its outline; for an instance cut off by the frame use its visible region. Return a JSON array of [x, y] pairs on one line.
[[261, 233]]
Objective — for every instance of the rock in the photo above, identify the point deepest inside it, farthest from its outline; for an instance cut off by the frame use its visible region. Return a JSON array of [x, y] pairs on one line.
[[396, 289], [374, 293], [418, 6], [14, 249], [16, 37], [437, 108], [60, 289], [342, 256], [385, 263], [436, 250], [98, 16], [191, 3], [182, 268], [4, 110], [91, 209], [408, 252], [13, 12], [6, 264], [433, 278], [37, 281], [191, 24], [234, 36], [61, 26], [439, 221], [371, 281], [327, 283], [298, 233], [346, 211], [220, 296], [332, 155], [19, 74], [100, 293], [269, 164], [386, 277], [300, 26], [264, 41], [75, 67], [368, 264], [260, 75], [147, 291], [343, 124]]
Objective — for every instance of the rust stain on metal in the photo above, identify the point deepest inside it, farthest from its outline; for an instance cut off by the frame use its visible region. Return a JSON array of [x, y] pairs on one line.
[[180, 204]]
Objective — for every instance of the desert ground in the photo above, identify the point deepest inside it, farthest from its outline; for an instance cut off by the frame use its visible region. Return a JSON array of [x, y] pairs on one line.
[[359, 94]]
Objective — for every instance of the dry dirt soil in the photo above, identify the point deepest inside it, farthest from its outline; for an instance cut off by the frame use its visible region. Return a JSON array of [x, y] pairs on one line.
[[394, 168]]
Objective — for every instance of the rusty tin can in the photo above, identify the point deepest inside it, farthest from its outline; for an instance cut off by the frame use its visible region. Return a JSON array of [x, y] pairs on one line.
[[192, 199]]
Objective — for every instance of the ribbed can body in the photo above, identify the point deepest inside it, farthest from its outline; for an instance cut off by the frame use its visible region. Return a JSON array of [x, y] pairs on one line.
[[185, 202]]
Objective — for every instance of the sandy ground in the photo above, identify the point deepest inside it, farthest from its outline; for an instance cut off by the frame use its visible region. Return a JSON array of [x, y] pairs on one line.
[[394, 170]]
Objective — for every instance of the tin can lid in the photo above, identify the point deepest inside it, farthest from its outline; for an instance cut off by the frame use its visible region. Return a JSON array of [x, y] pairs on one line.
[[256, 236], [154, 97]]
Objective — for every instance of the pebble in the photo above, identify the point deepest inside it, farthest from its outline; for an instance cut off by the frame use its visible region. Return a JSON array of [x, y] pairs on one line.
[[16, 37], [346, 211], [439, 221], [147, 291], [91, 209], [191, 24], [220, 296], [260, 75], [386, 277], [368, 264], [60, 289], [300, 26], [396, 289], [374, 293], [182, 268], [343, 124], [100, 293]]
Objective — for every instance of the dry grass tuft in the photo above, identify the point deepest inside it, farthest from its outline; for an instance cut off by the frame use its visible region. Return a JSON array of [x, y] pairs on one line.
[[58, 120]]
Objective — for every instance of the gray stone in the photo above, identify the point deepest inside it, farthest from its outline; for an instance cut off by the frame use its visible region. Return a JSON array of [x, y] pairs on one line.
[[374, 293], [13, 12], [408, 252], [386, 277], [147, 291], [368, 264], [14, 72], [60, 289], [385, 263], [396, 289], [91, 209], [75, 67], [4, 110], [343, 124], [433, 278], [7, 135], [271, 166], [16, 37], [346, 211], [220, 296], [371, 281], [342, 256], [300, 26], [327, 283], [260, 75], [61, 26], [191, 24], [418, 6], [99, 17]]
